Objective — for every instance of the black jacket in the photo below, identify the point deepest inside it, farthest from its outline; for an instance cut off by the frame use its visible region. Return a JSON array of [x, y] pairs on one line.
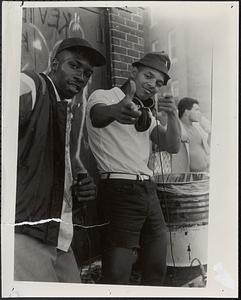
[[41, 161]]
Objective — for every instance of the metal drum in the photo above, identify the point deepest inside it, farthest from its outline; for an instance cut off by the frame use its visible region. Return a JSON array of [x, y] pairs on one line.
[[184, 200]]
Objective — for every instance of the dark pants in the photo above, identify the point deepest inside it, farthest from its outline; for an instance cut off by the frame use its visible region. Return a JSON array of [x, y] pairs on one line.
[[136, 221]]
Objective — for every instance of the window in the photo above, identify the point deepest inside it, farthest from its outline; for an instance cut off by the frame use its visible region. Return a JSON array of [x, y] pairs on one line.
[[154, 46], [172, 47]]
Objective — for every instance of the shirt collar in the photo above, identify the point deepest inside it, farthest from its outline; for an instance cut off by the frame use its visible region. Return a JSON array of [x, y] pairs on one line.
[[56, 92]]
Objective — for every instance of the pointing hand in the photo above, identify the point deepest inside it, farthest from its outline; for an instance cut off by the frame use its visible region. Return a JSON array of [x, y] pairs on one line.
[[126, 112]]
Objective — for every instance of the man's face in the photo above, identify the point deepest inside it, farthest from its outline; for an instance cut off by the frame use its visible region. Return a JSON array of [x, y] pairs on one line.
[[148, 82], [195, 113], [72, 72]]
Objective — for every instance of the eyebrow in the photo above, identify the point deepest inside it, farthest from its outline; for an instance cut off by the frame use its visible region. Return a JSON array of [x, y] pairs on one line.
[[90, 68]]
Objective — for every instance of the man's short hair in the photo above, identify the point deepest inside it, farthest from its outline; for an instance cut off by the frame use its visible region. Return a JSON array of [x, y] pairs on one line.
[[185, 103]]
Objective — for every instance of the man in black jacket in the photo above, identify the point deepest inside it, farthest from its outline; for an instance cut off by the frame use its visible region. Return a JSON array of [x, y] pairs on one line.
[[49, 125]]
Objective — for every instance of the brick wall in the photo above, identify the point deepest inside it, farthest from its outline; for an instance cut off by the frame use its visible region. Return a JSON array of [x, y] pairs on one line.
[[127, 41]]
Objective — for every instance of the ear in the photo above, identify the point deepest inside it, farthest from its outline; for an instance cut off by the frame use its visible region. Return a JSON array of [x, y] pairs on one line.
[[54, 65], [187, 112], [133, 73]]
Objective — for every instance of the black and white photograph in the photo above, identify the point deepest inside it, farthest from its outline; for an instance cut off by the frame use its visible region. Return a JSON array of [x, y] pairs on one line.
[[119, 149]]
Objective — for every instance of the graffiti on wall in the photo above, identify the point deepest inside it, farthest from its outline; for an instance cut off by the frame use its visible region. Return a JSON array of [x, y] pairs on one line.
[[43, 30]]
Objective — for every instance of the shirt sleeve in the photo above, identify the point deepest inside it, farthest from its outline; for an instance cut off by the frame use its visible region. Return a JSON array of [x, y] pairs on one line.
[[27, 98], [27, 85], [98, 97]]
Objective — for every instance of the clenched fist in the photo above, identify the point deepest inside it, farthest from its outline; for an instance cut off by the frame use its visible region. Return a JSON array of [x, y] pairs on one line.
[[166, 103], [126, 111], [84, 190]]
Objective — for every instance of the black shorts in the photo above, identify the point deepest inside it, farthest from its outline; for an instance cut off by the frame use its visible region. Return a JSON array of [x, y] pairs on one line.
[[133, 210]]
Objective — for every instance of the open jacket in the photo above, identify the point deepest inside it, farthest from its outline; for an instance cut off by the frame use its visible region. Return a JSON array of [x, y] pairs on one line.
[[41, 159]]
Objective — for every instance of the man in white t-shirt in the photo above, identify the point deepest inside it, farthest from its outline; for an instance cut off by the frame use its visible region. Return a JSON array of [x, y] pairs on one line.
[[121, 128]]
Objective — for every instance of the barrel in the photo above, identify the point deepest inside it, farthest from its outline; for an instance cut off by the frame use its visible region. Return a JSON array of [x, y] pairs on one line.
[[184, 198]]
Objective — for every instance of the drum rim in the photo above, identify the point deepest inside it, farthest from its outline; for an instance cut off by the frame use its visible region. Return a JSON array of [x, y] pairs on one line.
[[181, 182]]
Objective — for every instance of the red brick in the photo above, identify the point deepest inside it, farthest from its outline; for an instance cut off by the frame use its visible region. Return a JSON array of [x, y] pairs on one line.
[[124, 14], [118, 49], [115, 41], [122, 58], [121, 73], [131, 24], [133, 53], [132, 38], [139, 33], [141, 41], [115, 25], [137, 18], [138, 47], [126, 44], [117, 19], [119, 65], [118, 34], [124, 28]]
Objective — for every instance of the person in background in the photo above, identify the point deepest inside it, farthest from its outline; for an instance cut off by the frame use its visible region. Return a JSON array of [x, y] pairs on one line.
[[48, 132], [120, 129], [194, 153]]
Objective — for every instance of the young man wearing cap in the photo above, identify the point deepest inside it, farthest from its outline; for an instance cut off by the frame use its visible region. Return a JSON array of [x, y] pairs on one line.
[[120, 127], [49, 126]]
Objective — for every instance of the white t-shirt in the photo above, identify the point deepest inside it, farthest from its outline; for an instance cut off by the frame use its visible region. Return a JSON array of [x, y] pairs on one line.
[[118, 147]]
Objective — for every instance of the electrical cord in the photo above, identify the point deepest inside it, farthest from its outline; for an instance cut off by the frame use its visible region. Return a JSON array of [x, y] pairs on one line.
[[164, 189]]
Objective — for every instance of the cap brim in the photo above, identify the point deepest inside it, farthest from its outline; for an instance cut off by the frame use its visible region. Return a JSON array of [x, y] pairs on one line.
[[96, 58]]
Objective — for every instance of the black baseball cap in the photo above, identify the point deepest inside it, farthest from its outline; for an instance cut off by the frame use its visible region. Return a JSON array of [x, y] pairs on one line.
[[159, 61], [96, 58]]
